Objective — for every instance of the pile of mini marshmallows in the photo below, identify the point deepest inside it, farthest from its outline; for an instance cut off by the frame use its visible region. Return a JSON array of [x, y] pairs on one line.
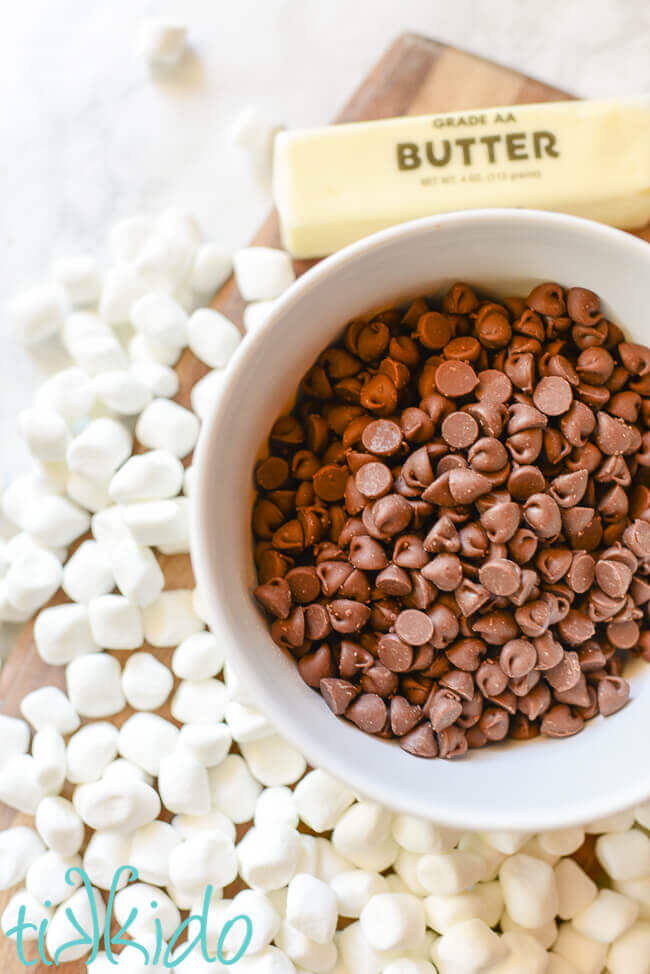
[[335, 883]]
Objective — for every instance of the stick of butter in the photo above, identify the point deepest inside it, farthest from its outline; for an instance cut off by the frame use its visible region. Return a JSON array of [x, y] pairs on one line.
[[590, 158]]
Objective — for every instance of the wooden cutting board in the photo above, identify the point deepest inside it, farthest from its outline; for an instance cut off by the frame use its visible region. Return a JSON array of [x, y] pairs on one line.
[[415, 76]]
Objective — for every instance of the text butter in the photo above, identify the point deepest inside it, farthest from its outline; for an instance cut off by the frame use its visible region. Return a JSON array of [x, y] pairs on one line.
[[590, 158]]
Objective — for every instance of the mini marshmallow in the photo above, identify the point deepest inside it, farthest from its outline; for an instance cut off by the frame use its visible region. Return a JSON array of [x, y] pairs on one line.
[[47, 878], [22, 490], [92, 344], [189, 826], [207, 392], [642, 814], [264, 918], [126, 237], [529, 890], [139, 897], [268, 856], [419, 835], [212, 337], [199, 701], [276, 804], [246, 723], [90, 750], [312, 908], [95, 686], [137, 573], [393, 921], [122, 391], [80, 279], [162, 41], [607, 918], [8, 612], [575, 889], [176, 219], [62, 931], [197, 657], [143, 349], [330, 862], [619, 822], [562, 842], [119, 805], [639, 891], [36, 314], [183, 784], [70, 393], [373, 849], [160, 317], [507, 843], [62, 632], [624, 855], [210, 270], [451, 872], [49, 753], [87, 575], [160, 380], [100, 449], [166, 258], [19, 848], [171, 619], [630, 953], [33, 579], [164, 425], [49, 707], [155, 475], [525, 955], [146, 682], [145, 739], [45, 433], [254, 133], [115, 623], [121, 768], [234, 790], [472, 947], [308, 856], [105, 854], [356, 953], [33, 912], [409, 965], [158, 523], [545, 936], [151, 848], [262, 272], [257, 313], [88, 493], [59, 825], [310, 955], [123, 285], [321, 800], [356, 887], [207, 743], [587, 955], [53, 520], [108, 527], [202, 860], [273, 760], [484, 902], [14, 734]]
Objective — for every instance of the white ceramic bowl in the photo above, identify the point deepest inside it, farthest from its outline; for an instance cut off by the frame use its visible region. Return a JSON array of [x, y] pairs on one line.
[[532, 785]]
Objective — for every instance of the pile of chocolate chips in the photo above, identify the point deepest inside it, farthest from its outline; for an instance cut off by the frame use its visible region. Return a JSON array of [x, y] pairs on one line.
[[453, 524]]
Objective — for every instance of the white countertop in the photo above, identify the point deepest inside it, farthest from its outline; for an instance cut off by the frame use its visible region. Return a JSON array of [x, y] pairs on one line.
[[88, 136]]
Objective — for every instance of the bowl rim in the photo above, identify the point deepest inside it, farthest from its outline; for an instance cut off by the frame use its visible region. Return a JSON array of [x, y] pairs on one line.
[[316, 751]]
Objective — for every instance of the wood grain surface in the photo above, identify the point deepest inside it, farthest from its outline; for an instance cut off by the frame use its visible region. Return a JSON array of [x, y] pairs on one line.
[[415, 76]]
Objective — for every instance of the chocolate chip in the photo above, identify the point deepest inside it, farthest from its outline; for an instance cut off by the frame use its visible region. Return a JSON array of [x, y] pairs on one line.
[[500, 576], [275, 597], [338, 694], [559, 721], [404, 716], [552, 395], [395, 652], [613, 694], [316, 666], [459, 430], [455, 379], [421, 742]]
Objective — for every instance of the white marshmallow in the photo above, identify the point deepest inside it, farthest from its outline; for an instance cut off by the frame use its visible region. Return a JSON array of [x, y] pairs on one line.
[[312, 908], [70, 393], [264, 918], [257, 313], [575, 889], [484, 902], [406, 867], [62, 931], [123, 285], [409, 965], [273, 760], [88, 493], [272, 960], [143, 349], [164, 425], [146, 682], [80, 279], [529, 890], [145, 739], [34, 913], [105, 854], [92, 344], [268, 856], [558, 965], [14, 734], [608, 917], [212, 337], [507, 843], [619, 822], [59, 825], [171, 619], [162, 41], [189, 826], [22, 490], [642, 815], [356, 887], [19, 848], [197, 657], [330, 863], [95, 685], [49, 707], [87, 575], [210, 270], [139, 897], [160, 317], [166, 258], [108, 527], [160, 380], [183, 784], [321, 800], [471, 947], [356, 953], [122, 391], [624, 855], [8, 612], [48, 751], [53, 520], [121, 768], [115, 623], [177, 219], [419, 835], [90, 750], [155, 475], [36, 314], [233, 788], [638, 890], [393, 921], [137, 572], [586, 955], [630, 953], [246, 723], [199, 701], [62, 633], [451, 872], [309, 954], [45, 433], [47, 878], [262, 272], [207, 392], [33, 579], [100, 449], [201, 861], [207, 743], [126, 237], [151, 848], [546, 935], [276, 804], [189, 476], [525, 955], [119, 805], [367, 851], [254, 133]]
